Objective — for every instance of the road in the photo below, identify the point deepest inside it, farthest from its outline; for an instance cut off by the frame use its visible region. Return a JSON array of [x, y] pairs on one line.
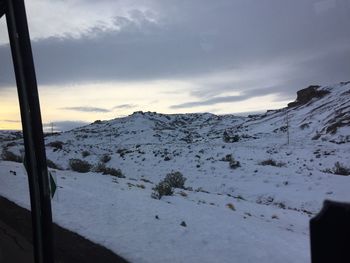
[[13, 246], [16, 239]]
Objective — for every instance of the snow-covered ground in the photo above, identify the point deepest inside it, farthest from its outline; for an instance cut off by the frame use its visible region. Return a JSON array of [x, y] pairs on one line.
[[253, 213]]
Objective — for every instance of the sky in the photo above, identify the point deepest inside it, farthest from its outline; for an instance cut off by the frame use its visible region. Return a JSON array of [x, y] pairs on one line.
[[108, 58]]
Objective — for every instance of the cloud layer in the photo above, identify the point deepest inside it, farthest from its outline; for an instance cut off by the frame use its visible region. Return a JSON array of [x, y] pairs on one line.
[[282, 44], [86, 109]]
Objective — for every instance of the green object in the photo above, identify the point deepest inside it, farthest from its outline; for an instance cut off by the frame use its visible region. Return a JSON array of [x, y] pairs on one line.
[[53, 185]]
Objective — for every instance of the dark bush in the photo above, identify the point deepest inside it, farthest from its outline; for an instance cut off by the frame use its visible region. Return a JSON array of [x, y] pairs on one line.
[[114, 172], [339, 169], [165, 187], [56, 144], [162, 189], [234, 164], [52, 165], [230, 138], [85, 154], [80, 166], [272, 162], [10, 156], [175, 179], [101, 168], [11, 144], [105, 158], [227, 158]]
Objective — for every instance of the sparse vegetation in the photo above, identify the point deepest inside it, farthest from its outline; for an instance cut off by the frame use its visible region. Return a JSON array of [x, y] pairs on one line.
[[175, 179], [232, 162], [165, 187], [85, 154], [114, 172], [80, 166], [161, 189], [227, 158], [101, 168], [231, 206], [272, 162], [52, 165], [122, 152], [316, 136], [339, 169], [105, 158], [228, 138], [184, 194], [10, 156], [58, 145]]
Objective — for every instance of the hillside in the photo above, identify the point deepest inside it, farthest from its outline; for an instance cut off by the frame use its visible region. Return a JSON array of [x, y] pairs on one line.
[[245, 182]]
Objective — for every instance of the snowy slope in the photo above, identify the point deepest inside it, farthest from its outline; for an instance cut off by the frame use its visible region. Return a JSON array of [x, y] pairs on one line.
[[251, 213]]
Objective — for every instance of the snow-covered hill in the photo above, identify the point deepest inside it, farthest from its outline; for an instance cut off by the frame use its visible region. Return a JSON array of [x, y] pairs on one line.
[[251, 212]]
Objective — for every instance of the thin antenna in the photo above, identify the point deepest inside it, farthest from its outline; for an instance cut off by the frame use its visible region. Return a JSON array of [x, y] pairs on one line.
[[287, 128]]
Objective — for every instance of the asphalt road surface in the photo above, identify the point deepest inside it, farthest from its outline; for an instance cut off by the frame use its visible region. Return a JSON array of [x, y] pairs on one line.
[[16, 239], [13, 246]]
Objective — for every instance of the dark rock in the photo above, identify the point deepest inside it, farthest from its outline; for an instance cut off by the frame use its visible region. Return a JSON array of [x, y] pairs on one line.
[[305, 95]]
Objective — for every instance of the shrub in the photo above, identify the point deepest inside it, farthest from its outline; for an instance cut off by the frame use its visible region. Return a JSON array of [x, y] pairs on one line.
[[227, 158], [105, 158], [80, 166], [339, 169], [10, 156], [161, 189], [165, 187], [234, 164], [11, 144], [272, 163], [56, 144], [231, 206], [175, 179], [230, 138], [52, 165], [114, 172], [101, 168], [316, 136], [85, 154]]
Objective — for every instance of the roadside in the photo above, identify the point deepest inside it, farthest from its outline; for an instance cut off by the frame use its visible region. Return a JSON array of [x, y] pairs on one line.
[[69, 246], [13, 247]]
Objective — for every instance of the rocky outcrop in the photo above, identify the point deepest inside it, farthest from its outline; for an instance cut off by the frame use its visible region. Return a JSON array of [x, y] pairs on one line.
[[307, 94]]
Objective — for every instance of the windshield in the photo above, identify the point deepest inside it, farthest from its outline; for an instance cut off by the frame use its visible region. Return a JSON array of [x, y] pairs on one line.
[[187, 131]]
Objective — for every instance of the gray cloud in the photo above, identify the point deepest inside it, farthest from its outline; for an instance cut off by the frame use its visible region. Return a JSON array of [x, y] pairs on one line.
[[193, 39], [125, 106], [212, 101], [228, 99], [86, 109]]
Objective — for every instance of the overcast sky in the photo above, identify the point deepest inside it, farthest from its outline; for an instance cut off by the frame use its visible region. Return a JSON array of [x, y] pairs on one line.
[[107, 58]]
